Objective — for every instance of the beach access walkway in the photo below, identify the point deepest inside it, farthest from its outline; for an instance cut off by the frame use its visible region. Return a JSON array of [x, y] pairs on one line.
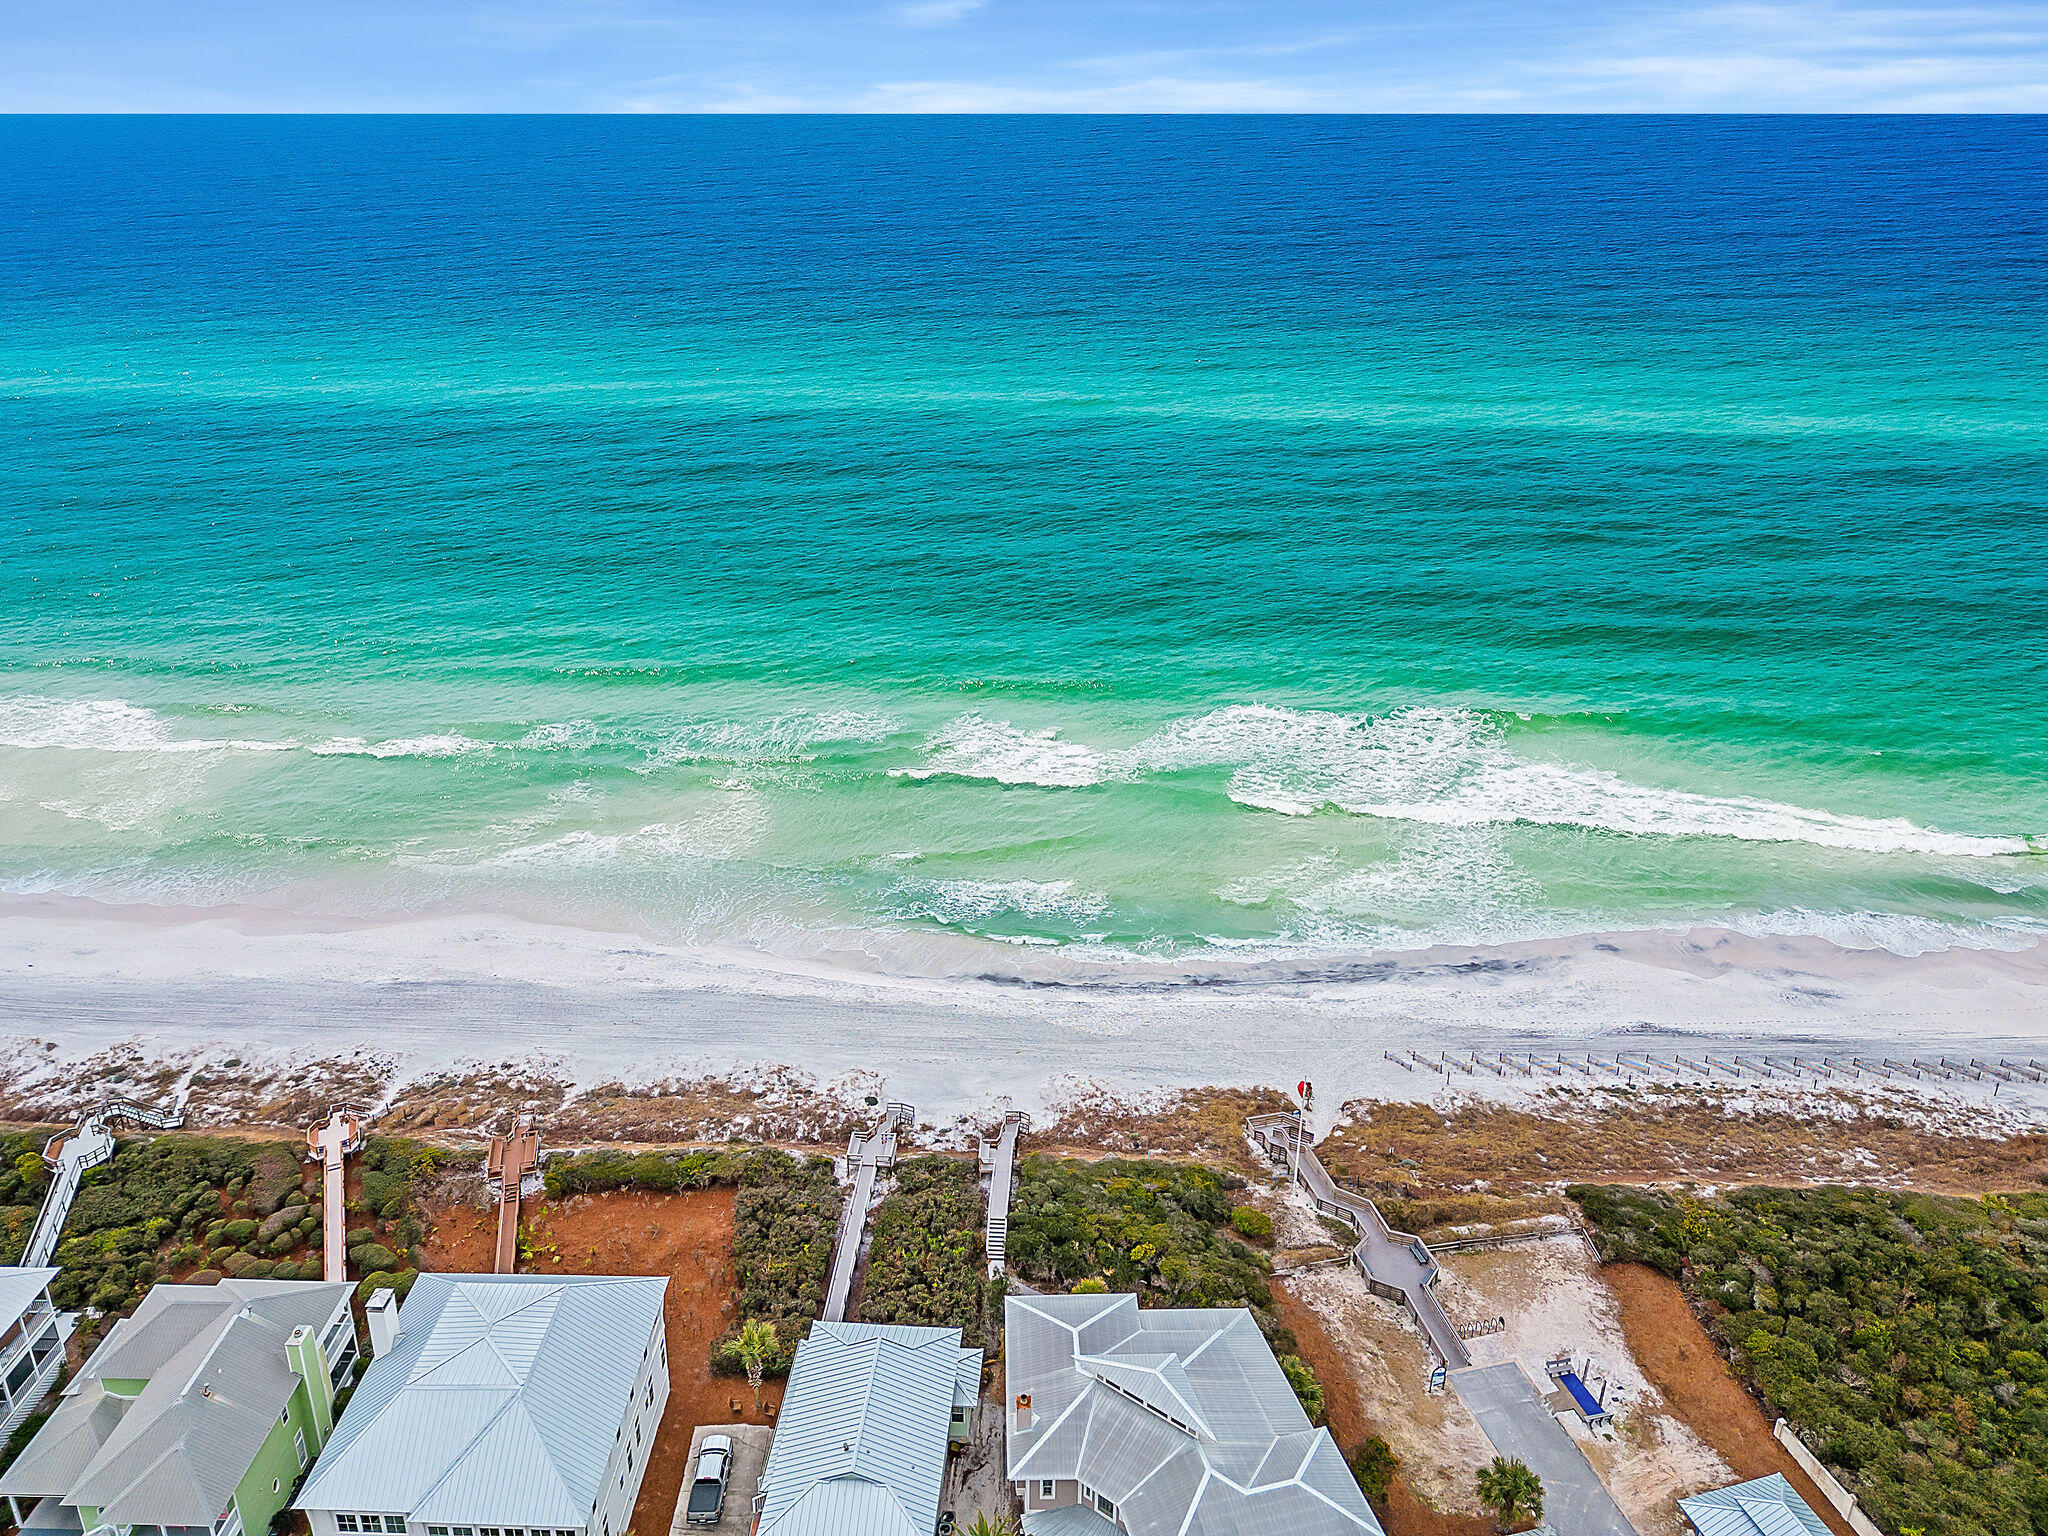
[[999, 1168], [1395, 1264], [511, 1161], [70, 1155], [867, 1154], [329, 1145]]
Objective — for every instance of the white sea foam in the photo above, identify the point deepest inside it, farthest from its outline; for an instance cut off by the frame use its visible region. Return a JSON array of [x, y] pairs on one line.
[[968, 901], [786, 738], [442, 744], [975, 747], [31, 722], [1452, 767]]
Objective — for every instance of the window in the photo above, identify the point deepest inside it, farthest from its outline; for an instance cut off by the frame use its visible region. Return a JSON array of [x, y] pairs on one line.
[[346, 1523], [1045, 1488], [1104, 1508], [395, 1524], [299, 1444], [276, 1485], [286, 1416], [959, 1415], [437, 1530], [488, 1530]]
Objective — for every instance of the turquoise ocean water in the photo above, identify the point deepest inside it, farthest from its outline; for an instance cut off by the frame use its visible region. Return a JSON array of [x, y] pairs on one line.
[[1183, 538]]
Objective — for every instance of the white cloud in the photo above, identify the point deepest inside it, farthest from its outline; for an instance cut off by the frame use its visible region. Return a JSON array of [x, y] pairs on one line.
[[933, 13]]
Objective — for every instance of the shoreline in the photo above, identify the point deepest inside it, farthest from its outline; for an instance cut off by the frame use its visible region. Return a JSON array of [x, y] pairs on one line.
[[454, 996]]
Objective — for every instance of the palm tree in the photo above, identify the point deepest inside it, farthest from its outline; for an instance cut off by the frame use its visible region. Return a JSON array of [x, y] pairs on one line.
[[985, 1525], [1511, 1491], [756, 1344]]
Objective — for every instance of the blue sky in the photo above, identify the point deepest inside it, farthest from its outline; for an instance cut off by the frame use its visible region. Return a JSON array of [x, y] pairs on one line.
[[1019, 55]]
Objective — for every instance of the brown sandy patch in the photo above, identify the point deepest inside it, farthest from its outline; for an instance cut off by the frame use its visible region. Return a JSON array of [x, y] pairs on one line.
[[1375, 1376], [1681, 1362], [1424, 1154], [1204, 1123], [688, 1238]]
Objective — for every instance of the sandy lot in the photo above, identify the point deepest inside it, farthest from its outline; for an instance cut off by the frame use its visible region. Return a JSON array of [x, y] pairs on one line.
[[1375, 1371], [687, 1237], [1557, 1302]]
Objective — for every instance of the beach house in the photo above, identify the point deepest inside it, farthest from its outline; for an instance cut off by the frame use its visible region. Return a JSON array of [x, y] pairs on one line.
[[498, 1405], [861, 1439], [1163, 1422], [32, 1335], [1764, 1506], [194, 1417]]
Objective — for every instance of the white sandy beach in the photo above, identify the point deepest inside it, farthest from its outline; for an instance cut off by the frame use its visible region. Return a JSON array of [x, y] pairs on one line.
[[450, 991]]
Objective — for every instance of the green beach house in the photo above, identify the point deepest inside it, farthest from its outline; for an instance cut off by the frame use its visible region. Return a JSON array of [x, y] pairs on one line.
[[194, 1417]]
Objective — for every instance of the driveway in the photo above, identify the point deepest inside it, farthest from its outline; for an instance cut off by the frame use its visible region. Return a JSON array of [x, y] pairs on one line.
[[1508, 1408], [749, 1460]]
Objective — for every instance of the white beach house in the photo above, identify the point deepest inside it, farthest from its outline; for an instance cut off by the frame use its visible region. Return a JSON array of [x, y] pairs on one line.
[[1163, 1422], [499, 1405], [32, 1335]]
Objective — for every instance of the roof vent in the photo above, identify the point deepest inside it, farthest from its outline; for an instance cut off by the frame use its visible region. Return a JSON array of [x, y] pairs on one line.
[[1023, 1411]]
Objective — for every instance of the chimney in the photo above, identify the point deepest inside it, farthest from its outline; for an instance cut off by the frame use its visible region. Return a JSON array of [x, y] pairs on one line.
[[1023, 1412], [383, 1314]]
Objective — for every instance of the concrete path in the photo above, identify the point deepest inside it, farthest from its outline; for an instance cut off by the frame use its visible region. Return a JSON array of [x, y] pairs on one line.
[[1393, 1261], [1509, 1409], [867, 1154]]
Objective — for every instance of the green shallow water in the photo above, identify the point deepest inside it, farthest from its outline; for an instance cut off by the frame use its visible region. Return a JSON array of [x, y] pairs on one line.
[[1189, 539]]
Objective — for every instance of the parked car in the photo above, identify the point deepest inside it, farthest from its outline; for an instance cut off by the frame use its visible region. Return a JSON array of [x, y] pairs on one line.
[[707, 1487]]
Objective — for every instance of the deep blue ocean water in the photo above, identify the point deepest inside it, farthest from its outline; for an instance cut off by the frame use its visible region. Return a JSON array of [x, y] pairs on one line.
[[1182, 536]]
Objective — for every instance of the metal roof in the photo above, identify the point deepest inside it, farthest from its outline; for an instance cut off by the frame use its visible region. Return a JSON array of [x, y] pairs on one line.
[[500, 1401], [1767, 1506], [19, 1289], [217, 1378], [1068, 1520], [860, 1441], [1181, 1417]]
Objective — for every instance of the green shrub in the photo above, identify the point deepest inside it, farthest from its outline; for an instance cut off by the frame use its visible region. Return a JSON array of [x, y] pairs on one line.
[[1904, 1335], [1302, 1378], [258, 1269], [1093, 1285], [1252, 1223], [235, 1233], [1374, 1464], [1151, 1227], [372, 1256], [400, 1281], [783, 1223], [925, 1264]]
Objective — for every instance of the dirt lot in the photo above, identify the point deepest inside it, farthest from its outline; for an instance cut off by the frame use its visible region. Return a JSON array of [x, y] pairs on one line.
[[687, 1237], [1681, 1362]]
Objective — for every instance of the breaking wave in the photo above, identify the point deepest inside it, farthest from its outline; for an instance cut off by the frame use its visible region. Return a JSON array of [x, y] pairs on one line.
[[1446, 766]]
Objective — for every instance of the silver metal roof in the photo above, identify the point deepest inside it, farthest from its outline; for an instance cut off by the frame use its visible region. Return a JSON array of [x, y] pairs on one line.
[[499, 1403], [1767, 1506], [19, 1289], [1182, 1417], [860, 1441], [217, 1378]]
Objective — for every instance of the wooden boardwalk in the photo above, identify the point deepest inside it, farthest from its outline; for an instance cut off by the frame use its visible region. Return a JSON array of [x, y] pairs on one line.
[[331, 1144], [999, 1167], [511, 1159], [1395, 1264], [867, 1154]]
